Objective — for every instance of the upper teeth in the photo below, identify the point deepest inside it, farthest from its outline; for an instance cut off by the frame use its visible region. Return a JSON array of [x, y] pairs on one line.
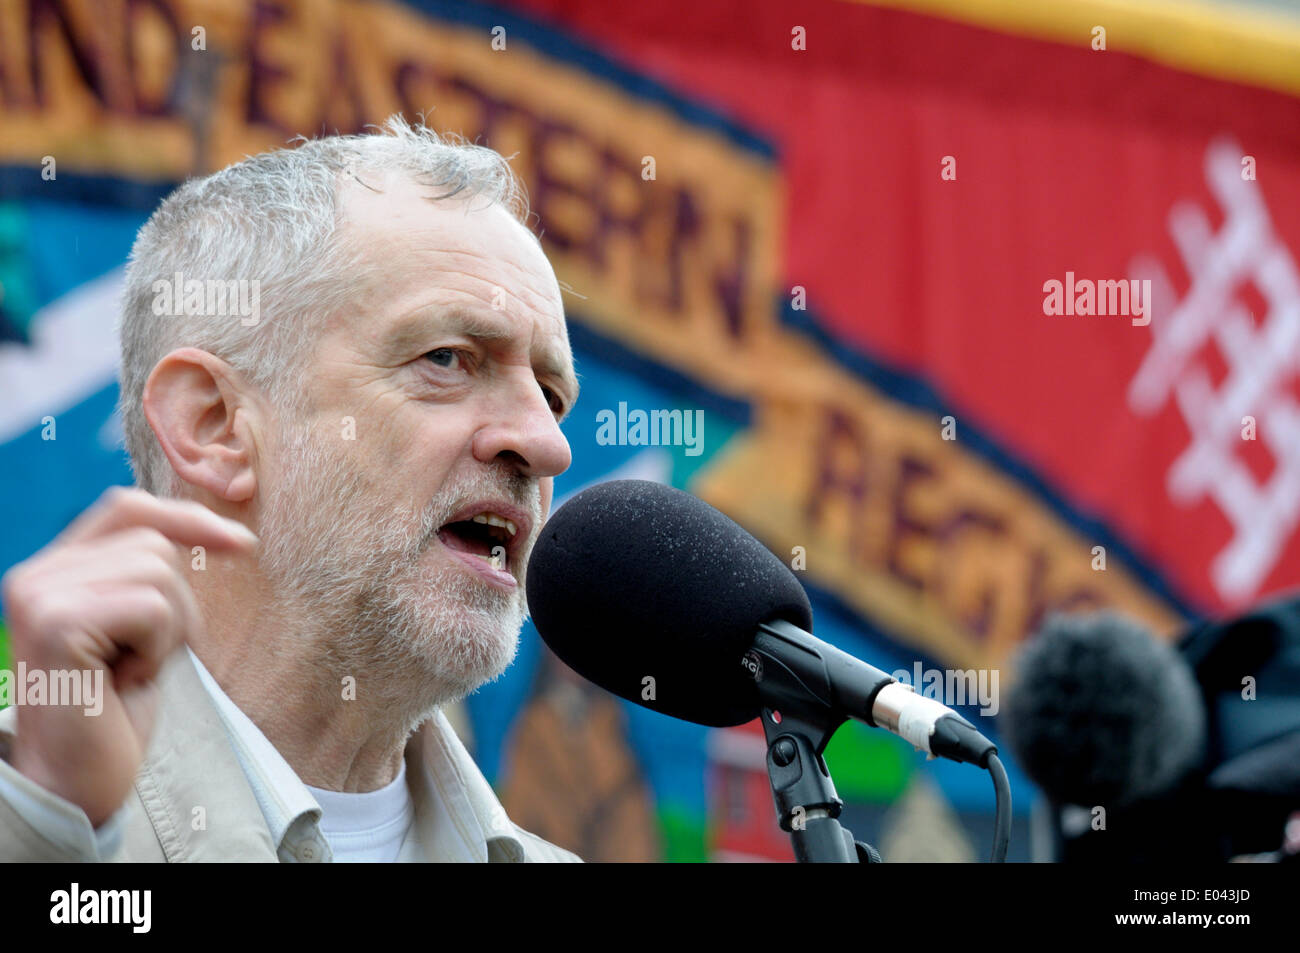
[[493, 520]]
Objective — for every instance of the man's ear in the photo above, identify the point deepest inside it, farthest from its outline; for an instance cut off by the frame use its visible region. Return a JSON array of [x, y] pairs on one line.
[[207, 419]]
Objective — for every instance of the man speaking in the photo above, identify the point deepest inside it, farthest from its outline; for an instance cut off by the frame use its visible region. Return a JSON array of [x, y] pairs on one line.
[[341, 486]]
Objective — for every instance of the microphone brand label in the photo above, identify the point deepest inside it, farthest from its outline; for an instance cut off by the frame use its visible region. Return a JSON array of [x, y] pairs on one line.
[[752, 664]]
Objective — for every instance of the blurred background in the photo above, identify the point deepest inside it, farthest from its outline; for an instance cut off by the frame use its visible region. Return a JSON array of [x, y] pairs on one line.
[[824, 229]]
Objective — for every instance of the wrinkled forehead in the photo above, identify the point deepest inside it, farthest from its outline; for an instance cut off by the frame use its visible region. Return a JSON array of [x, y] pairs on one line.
[[408, 241]]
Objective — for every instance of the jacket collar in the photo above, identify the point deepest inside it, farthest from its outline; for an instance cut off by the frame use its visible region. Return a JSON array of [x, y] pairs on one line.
[[190, 778], [192, 764], [468, 822]]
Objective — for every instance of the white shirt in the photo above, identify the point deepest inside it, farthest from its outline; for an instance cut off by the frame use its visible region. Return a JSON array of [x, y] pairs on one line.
[[369, 826], [454, 797]]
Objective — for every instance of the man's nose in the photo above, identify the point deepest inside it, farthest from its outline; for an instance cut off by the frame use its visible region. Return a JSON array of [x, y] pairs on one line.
[[524, 427]]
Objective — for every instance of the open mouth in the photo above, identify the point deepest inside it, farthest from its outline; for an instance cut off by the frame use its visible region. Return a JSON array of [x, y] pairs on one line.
[[487, 535]]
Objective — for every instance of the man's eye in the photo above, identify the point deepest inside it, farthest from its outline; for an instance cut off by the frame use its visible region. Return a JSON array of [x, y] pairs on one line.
[[553, 400], [445, 357]]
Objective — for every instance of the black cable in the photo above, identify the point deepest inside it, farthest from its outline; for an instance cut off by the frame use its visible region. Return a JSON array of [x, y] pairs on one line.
[[1002, 825]]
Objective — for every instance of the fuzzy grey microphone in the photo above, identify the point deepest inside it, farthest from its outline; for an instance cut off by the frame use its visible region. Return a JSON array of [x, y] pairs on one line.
[[1102, 712]]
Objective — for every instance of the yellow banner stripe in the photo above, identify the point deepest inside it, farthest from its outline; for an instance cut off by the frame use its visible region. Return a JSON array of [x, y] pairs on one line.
[[1249, 46]]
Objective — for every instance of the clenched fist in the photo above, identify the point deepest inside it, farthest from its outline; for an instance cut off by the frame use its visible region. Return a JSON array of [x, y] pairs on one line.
[[111, 593]]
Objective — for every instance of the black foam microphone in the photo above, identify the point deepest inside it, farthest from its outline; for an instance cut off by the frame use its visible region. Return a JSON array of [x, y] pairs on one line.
[[659, 598], [1190, 764], [1103, 713]]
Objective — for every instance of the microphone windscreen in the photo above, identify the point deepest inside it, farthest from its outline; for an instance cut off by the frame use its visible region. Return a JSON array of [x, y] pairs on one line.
[[655, 596], [1103, 713]]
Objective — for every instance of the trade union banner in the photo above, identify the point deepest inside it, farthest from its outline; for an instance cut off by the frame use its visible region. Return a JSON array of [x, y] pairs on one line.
[[971, 313]]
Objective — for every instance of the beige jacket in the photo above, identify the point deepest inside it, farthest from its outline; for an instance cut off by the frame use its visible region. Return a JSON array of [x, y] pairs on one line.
[[190, 762]]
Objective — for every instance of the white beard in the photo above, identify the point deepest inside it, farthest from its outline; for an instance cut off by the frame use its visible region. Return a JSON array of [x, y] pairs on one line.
[[358, 578]]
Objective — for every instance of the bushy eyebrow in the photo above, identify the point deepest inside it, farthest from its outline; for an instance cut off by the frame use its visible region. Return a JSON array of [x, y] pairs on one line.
[[473, 325], [454, 319]]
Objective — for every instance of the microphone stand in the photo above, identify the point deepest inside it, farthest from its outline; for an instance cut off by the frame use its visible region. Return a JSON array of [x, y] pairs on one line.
[[806, 803], [807, 806]]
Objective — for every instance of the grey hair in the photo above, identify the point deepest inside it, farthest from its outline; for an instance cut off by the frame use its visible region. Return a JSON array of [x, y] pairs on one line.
[[274, 218]]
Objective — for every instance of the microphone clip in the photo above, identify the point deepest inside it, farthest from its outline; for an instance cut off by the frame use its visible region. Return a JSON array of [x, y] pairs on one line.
[[807, 806]]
